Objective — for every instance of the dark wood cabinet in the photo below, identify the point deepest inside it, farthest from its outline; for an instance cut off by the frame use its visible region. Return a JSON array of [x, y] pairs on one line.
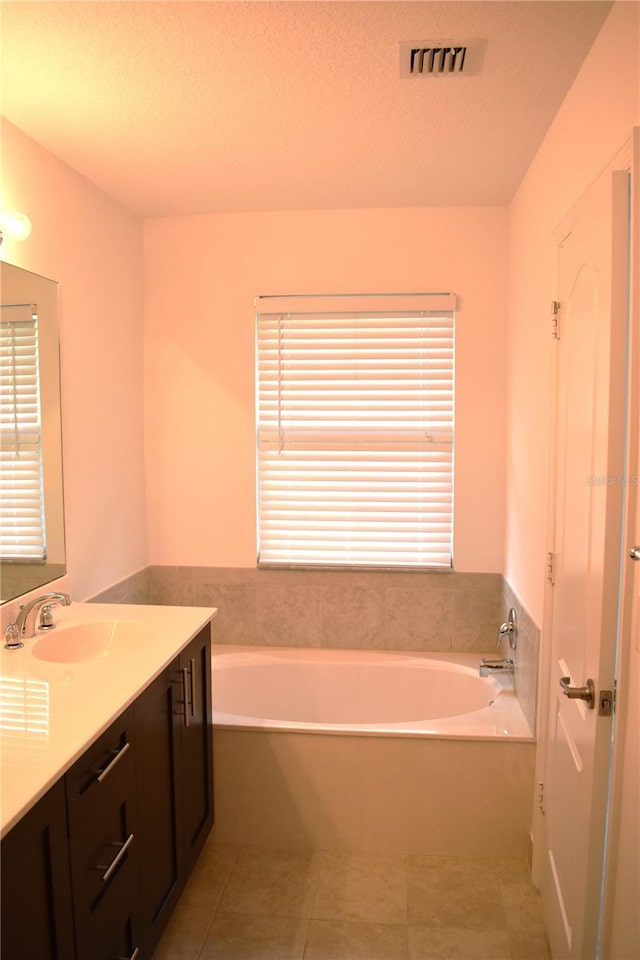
[[104, 844], [95, 868], [175, 782], [158, 719], [37, 917], [197, 748]]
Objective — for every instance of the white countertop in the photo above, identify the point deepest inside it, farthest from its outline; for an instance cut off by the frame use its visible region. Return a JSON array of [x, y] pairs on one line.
[[50, 712]]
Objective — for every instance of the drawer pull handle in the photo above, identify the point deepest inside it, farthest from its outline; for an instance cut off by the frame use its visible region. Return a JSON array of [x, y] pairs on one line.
[[108, 871], [185, 671], [109, 767], [192, 671], [134, 955]]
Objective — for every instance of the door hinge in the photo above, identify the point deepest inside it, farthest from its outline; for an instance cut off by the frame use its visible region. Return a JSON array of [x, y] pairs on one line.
[[551, 568], [555, 311], [540, 797]]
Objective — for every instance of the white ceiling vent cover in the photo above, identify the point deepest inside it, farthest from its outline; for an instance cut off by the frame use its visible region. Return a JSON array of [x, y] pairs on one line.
[[441, 58]]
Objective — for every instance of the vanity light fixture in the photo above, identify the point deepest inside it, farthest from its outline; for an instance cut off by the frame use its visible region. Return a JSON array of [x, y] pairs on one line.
[[15, 225]]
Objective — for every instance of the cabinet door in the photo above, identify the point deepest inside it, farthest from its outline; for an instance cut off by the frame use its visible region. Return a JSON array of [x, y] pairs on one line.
[[37, 917], [104, 844], [197, 749], [159, 715]]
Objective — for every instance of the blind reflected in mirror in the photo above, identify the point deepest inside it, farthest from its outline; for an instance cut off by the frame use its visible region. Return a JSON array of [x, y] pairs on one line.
[[32, 546]]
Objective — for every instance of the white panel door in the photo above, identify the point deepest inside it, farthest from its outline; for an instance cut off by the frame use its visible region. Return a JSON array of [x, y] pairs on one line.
[[588, 499]]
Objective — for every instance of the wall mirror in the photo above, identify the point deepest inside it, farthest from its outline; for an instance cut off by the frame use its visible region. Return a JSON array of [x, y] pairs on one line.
[[32, 545]]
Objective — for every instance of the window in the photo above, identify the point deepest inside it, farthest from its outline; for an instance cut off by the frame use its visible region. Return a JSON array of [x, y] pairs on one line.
[[355, 431], [22, 530]]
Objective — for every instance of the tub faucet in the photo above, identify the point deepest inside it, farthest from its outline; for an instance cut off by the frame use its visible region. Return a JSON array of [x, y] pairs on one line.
[[509, 629], [24, 626], [487, 666]]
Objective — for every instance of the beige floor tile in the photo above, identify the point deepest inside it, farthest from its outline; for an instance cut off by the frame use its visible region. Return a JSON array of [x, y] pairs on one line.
[[196, 908], [471, 866], [512, 868], [342, 940], [447, 892], [523, 913], [275, 883], [185, 933], [521, 904], [519, 892], [458, 943], [239, 937], [209, 875], [529, 945], [251, 903], [361, 887]]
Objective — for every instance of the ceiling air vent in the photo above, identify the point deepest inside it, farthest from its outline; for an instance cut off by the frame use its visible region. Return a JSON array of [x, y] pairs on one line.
[[441, 58]]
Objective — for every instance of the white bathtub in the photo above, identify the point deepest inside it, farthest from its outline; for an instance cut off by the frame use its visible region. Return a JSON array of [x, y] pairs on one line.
[[363, 692], [365, 751]]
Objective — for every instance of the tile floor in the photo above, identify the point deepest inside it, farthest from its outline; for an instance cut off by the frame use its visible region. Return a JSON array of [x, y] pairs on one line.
[[254, 903]]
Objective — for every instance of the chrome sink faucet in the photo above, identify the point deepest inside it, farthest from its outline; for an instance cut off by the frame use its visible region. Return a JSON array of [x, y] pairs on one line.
[[24, 626]]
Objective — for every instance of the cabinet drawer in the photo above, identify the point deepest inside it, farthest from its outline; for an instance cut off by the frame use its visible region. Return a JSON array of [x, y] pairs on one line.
[[113, 930], [103, 768], [103, 840]]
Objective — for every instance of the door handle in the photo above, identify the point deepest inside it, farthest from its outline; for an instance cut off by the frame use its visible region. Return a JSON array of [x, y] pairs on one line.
[[586, 693], [634, 553], [192, 674], [122, 849], [185, 704], [115, 758]]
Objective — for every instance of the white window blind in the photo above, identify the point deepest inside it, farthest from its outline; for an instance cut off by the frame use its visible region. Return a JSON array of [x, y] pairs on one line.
[[355, 412], [22, 529]]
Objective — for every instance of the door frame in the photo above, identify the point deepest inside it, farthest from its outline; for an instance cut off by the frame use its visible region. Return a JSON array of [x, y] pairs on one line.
[[623, 160], [631, 571]]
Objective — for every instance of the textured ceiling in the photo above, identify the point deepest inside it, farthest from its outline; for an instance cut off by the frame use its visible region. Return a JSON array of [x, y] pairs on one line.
[[181, 107]]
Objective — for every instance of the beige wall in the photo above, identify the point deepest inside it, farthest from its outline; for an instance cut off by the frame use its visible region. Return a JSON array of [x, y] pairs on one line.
[[201, 277], [93, 248]]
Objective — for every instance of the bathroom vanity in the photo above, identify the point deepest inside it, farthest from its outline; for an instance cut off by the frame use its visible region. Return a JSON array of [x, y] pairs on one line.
[[107, 785]]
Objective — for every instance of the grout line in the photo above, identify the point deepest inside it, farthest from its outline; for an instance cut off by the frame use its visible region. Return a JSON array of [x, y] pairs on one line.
[[306, 939], [217, 907], [315, 897], [320, 868]]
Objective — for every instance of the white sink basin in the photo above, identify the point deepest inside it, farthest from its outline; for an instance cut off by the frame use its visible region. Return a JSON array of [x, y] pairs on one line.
[[92, 641]]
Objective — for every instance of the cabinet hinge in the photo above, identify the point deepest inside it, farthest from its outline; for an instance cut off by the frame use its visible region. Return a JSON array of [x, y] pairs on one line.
[[540, 797], [555, 319], [551, 568]]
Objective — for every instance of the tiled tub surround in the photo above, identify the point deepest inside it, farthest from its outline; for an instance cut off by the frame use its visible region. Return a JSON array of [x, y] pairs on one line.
[[437, 612], [341, 609], [526, 654]]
